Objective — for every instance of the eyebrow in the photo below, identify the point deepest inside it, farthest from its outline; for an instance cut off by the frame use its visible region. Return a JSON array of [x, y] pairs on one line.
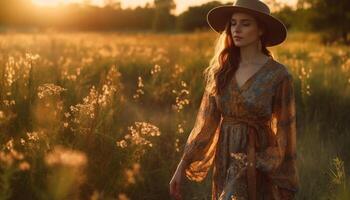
[[241, 20]]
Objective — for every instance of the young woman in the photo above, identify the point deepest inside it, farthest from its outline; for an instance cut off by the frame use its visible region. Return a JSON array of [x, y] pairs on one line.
[[246, 123]]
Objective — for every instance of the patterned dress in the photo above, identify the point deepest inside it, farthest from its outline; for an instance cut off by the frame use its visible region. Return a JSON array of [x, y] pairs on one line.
[[265, 105]]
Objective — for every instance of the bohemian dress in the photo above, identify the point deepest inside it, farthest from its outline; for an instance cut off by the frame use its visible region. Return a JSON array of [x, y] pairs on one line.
[[259, 114]]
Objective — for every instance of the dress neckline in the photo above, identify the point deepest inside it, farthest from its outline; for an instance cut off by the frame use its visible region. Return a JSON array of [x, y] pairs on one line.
[[245, 84]]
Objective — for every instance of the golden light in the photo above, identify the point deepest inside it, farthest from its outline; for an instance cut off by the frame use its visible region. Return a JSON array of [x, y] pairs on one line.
[[181, 5], [53, 3], [126, 3]]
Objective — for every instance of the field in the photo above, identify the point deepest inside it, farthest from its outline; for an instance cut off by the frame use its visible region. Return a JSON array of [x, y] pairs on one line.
[[106, 115]]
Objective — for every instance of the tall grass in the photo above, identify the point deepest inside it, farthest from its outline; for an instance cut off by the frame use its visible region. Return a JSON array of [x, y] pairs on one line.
[[106, 115]]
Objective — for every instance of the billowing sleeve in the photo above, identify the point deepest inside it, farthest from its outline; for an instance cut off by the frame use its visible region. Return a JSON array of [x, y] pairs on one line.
[[279, 159], [200, 147]]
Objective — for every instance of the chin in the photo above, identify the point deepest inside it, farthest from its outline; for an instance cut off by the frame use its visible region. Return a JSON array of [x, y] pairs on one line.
[[243, 44]]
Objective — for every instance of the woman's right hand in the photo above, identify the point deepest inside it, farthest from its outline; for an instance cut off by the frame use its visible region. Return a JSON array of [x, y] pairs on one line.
[[176, 182]]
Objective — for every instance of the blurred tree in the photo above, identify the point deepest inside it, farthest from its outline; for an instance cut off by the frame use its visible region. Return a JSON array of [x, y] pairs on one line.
[[163, 19], [303, 4], [195, 17], [115, 4], [331, 16], [286, 14]]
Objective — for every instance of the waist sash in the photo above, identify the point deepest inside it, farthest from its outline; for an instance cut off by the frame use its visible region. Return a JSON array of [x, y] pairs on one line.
[[253, 127]]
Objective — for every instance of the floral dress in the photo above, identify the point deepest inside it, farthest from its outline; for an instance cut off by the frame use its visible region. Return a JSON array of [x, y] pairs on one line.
[[263, 105]]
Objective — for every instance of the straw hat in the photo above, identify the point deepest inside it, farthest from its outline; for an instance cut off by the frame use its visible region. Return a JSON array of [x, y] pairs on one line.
[[276, 31]]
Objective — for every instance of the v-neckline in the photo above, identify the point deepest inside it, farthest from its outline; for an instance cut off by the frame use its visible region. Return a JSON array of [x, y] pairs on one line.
[[240, 89]]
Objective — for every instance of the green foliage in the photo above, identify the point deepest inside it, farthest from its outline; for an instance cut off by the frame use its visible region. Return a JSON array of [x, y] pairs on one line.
[[339, 183], [195, 17], [163, 19], [331, 16]]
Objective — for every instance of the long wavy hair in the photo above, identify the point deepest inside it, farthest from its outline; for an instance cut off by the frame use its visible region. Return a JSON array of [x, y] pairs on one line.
[[224, 64]]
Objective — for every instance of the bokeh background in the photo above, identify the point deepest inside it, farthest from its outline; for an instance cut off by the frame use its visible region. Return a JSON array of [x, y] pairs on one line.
[[97, 98]]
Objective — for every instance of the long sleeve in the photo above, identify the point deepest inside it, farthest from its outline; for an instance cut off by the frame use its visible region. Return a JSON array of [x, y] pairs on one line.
[[279, 160], [200, 147], [285, 131]]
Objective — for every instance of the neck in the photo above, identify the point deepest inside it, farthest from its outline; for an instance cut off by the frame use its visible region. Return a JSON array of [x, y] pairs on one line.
[[251, 54]]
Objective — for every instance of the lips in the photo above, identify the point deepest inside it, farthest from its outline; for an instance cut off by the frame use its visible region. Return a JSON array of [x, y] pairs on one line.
[[237, 37]]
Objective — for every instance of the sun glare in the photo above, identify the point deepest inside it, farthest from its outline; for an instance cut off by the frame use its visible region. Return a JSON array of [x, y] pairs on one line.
[[51, 2], [181, 5], [62, 2]]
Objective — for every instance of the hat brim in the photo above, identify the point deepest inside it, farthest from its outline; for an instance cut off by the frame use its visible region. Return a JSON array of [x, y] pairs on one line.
[[218, 17]]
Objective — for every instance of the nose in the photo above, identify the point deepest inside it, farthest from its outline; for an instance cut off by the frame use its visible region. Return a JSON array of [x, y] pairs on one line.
[[236, 28]]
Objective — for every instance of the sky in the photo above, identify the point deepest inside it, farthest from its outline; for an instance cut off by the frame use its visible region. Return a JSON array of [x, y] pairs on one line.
[[181, 5]]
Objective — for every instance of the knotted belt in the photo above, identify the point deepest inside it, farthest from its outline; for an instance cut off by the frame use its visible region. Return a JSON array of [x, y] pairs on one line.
[[253, 127]]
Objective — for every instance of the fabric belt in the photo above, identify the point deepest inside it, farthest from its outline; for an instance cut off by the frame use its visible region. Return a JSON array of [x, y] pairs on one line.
[[253, 127]]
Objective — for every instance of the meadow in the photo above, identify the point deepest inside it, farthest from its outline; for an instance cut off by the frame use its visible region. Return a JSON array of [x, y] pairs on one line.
[[106, 115]]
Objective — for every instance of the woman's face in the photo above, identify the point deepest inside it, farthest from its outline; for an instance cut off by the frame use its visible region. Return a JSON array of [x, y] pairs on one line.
[[244, 29]]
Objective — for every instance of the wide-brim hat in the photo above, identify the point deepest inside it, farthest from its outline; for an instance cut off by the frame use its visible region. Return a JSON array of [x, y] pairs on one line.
[[276, 31]]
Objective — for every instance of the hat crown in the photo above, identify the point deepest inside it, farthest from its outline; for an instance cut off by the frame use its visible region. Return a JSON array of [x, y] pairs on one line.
[[253, 5]]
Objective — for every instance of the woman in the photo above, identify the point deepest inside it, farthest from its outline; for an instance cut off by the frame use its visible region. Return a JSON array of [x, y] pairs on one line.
[[246, 123]]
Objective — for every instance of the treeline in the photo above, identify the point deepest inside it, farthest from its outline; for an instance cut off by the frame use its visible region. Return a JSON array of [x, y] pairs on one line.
[[329, 16], [157, 16], [21, 14]]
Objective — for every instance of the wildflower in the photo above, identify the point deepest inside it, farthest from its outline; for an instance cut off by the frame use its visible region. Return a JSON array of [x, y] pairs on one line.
[[138, 135], [122, 143], [24, 166], [131, 174], [22, 141], [10, 158], [181, 99], [65, 157], [67, 114], [180, 129], [84, 112], [139, 91], [179, 69], [122, 197], [177, 145], [6, 159], [95, 195], [32, 57], [16, 155], [33, 136], [156, 69], [9, 144], [49, 89]]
